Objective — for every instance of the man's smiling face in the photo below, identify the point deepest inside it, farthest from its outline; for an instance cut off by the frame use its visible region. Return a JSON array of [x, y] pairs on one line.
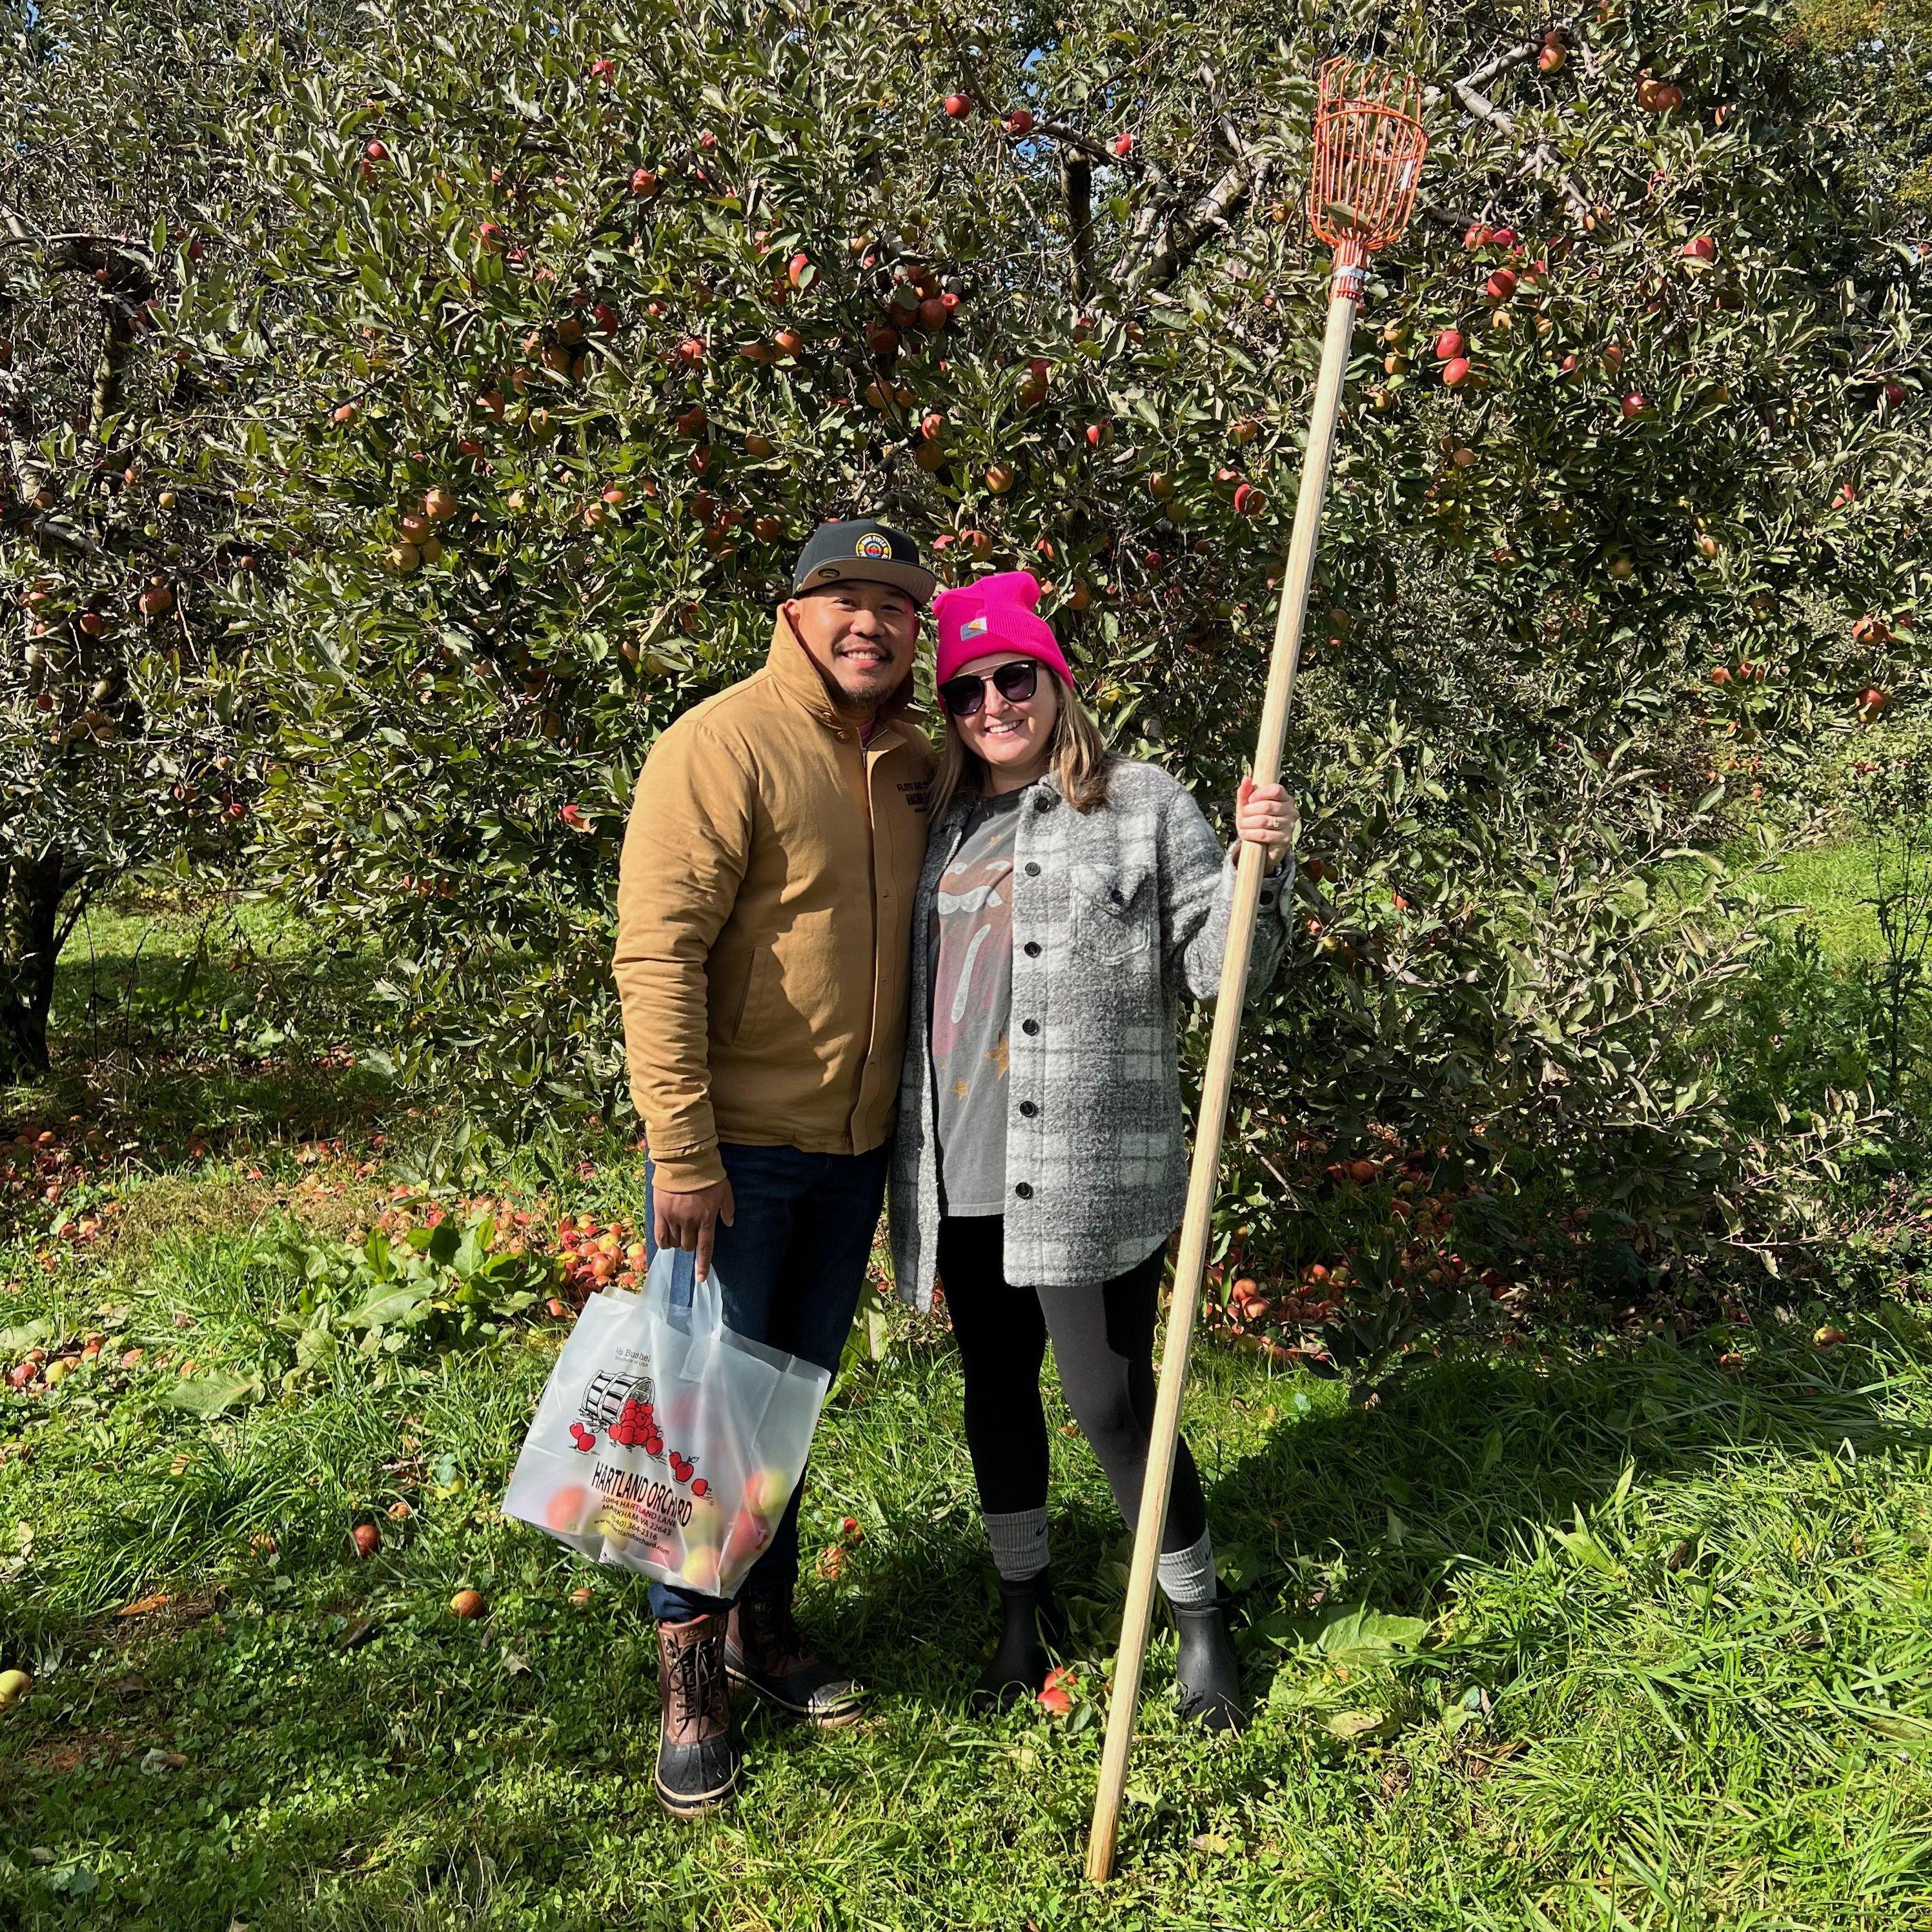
[[861, 635]]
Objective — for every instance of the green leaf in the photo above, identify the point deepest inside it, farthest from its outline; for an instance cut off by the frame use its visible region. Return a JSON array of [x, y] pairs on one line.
[[1362, 1635], [211, 1395], [1358, 1726], [388, 1305]]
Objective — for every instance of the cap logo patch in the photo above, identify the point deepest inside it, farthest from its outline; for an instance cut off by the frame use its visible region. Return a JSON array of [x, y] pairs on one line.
[[872, 545], [974, 627]]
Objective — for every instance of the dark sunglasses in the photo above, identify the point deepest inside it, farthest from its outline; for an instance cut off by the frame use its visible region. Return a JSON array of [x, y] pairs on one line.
[[1016, 681]]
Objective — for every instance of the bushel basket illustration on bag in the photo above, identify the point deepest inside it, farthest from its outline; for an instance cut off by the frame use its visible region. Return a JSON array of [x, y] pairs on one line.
[[665, 1442]]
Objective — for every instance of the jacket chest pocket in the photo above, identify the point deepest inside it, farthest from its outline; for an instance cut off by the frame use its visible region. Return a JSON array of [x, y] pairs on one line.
[[1113, 911]]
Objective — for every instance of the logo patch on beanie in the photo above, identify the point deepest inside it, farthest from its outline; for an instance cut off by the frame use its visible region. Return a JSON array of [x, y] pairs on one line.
[[974, 627], [873, 545]]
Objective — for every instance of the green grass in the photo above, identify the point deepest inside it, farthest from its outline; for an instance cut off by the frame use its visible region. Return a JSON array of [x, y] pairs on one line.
[[1833, 883], [1666, 1662], [1674, 1666]]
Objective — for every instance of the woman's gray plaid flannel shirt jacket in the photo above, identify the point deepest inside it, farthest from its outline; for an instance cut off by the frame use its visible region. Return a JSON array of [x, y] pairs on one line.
[[1119, 914]]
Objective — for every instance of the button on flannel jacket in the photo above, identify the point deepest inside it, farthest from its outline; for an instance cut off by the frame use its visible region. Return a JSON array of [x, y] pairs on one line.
[[1127, 907]]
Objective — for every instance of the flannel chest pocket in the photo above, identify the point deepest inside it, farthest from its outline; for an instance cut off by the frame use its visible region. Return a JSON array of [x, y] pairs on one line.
[[1113, 910]]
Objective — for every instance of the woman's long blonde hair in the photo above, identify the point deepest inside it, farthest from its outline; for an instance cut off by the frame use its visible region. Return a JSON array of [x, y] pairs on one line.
[[1076, 755]]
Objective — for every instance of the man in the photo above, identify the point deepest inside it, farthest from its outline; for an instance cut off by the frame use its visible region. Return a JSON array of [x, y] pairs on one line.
[[774, 846]]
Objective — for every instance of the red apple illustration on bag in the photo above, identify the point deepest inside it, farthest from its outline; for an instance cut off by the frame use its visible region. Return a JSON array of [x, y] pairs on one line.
[[585, 1439], [700, 1488], [681, 1468]]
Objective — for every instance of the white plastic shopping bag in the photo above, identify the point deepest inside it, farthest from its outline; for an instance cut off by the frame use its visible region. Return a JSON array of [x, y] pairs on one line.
[[666, 1442]]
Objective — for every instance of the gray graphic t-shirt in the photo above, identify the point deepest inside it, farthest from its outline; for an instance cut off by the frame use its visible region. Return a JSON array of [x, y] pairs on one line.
[[971, 939]]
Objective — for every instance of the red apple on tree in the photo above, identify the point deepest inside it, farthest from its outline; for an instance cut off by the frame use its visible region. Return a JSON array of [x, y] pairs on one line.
[[957, 106], [1019, 121], [1449, 345], [1123, 145]]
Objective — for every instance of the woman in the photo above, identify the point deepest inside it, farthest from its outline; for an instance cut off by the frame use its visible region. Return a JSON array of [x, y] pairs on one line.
[[1069, 902]]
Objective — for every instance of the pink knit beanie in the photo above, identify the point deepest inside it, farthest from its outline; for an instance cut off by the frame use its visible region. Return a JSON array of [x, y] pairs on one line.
[[994, 614]]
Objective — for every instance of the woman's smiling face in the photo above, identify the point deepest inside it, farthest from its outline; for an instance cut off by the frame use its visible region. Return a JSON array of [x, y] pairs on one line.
[[1010, 736]]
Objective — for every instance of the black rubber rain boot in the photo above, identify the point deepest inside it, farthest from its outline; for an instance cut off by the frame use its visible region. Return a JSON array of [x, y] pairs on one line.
[[697, 1755], [1207, 1675], [1030, 1620]]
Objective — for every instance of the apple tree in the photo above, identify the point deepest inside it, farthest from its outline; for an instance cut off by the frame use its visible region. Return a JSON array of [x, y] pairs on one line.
[[118, 718], [560, 335]]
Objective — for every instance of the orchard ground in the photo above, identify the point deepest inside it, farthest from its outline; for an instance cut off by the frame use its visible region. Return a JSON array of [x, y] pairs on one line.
[[1573, 1632]]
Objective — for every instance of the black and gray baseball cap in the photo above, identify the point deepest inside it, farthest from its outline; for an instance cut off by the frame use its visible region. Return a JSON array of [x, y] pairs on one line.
[[864, 550]]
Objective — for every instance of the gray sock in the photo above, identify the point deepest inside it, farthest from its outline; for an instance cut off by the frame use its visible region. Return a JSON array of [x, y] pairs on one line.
[[1187, 1575], [1019, 1541]]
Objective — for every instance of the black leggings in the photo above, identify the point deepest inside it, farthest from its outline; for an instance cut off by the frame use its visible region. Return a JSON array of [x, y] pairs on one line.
[[1103, 1342]]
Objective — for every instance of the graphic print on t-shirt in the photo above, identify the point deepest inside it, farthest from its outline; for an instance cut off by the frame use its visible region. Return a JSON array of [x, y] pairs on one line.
[[972, 1000]]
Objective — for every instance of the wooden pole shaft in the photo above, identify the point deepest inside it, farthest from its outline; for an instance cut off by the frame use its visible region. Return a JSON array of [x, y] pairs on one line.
[[1204, 1175]]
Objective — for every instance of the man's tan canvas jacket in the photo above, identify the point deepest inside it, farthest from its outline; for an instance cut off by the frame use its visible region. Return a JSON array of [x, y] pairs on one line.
[[764, 914]]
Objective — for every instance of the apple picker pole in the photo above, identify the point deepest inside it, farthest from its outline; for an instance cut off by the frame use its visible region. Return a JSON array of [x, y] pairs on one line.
[[1368, 145]]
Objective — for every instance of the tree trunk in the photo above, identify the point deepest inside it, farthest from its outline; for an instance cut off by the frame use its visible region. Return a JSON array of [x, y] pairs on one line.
[[30, 941]]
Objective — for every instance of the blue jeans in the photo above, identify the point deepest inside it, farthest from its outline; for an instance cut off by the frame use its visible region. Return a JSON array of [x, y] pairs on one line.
[[791, 1265]]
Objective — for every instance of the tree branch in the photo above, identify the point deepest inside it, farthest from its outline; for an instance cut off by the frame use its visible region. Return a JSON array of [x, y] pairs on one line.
[[1186, 233], [1076, 181], [1468, 93], [1097, 151]]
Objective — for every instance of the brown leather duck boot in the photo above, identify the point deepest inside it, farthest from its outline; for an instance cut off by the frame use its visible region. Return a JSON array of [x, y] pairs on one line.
[[697, 1755], [766, 1652]]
